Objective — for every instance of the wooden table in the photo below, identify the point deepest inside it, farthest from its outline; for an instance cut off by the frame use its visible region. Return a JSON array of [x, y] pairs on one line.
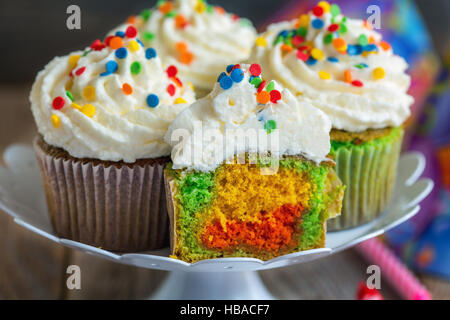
[[32, 267]]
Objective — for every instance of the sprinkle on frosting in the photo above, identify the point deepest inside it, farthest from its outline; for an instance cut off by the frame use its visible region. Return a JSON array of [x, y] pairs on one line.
[[261, 42], [173, 29], [56, 121], [172, 71], [104, 90], [133, 45], [150, 53], [73, 60], [341, 64], [121, 53], [378, 73], [127, 89], [88, 110], [80, 71], [295, 39], [235, 74], [58, 103], [136, 68], [69, 95], [174, 10], [117, 43], [152, 100], [76, 106]]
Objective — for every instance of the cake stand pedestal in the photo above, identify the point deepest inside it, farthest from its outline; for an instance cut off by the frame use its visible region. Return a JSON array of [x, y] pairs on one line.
[[245, 285], [22, 197]]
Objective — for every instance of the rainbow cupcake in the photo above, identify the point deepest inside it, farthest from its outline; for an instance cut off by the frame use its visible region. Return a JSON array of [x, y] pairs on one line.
[[267, 196], [198, 38], [102, 114], [345, 69]]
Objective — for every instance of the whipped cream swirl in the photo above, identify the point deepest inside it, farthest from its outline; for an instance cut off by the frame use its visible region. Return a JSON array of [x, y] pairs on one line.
[[242, 105], [342, 65], [198, 38], [112, 102]]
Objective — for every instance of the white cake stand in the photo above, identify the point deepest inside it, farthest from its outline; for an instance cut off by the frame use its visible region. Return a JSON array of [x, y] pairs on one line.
[[22, 197]]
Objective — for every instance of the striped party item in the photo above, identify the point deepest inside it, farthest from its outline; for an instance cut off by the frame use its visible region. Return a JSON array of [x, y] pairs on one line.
[[392, 268]]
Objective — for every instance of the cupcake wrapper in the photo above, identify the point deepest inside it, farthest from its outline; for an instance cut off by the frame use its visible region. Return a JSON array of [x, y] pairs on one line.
[[169, 187], [118, 208], [369, 175]]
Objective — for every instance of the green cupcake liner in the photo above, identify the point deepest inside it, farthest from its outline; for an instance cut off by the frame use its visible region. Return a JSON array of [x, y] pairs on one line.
[[368, 171]]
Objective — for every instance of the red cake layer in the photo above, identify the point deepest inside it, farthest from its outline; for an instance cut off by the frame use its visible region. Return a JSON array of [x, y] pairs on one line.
[[271, 232]]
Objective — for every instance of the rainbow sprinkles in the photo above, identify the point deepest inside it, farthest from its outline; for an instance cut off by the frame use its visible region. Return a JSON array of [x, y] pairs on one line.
[[121, 44], [327, 21]]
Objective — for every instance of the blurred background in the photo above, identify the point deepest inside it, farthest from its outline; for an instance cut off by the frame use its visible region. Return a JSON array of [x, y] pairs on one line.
[[33, 32], [36, 30]]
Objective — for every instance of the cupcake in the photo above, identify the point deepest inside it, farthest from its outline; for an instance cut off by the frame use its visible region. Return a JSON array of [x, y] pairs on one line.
[[102, 114], [267, 196], [345, 69], [198, 38]]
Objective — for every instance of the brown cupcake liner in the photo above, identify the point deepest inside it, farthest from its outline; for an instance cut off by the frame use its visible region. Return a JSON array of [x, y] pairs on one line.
[[169, 184], [117, 207]]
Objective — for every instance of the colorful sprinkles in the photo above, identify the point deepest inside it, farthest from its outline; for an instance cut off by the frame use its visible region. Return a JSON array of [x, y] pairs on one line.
[[270, 125], [58, 103], [80, 71], [127, 89], [171, 71], [263, 97], [122, 43], [324, 75], [170, 10], [184, 55], [121, 53], [378, 73], [111, 66], [152, 100], [237, 75], [265, 93], [150, 53], [56, 121], [332, 29], [88, 110], [131, 32], [89, 93], [73, 60], [261, 42], [226, 82], [135, 68], [133, 45]]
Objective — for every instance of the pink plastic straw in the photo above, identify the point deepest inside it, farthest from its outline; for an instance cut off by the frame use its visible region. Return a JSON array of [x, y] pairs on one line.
[[393, 269]]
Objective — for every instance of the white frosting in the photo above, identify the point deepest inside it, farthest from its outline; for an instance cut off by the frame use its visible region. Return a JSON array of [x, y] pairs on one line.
[[124, 127], [215, 39], [378, 104], [301, 129]]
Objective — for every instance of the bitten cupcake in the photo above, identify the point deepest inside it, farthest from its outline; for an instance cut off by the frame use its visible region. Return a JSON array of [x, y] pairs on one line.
[[102, 114], [250, 174], [200, 39], [347, 70]]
